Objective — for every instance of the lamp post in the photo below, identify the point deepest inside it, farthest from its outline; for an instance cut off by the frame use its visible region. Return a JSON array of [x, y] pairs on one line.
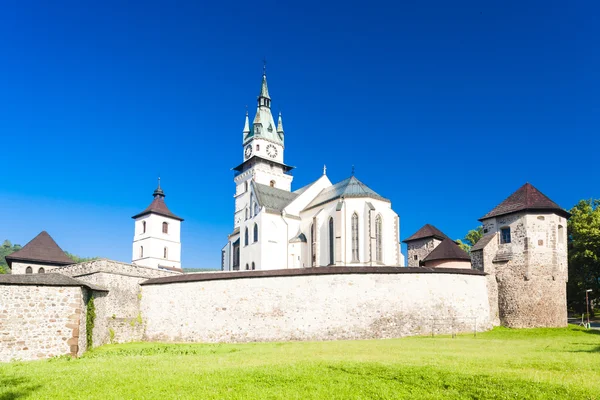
[[587, 307]]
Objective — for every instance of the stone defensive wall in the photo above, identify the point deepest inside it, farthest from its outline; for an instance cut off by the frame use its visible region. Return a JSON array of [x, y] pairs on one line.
[[118, 317], [42, 316], [326, 303]]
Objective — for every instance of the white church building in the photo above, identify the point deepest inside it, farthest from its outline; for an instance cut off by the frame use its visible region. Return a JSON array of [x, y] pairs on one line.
[[320, 224]]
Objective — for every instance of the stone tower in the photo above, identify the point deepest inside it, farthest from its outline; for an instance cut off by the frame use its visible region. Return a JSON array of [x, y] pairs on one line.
[[524, 251], [423, 242], [157, 240]]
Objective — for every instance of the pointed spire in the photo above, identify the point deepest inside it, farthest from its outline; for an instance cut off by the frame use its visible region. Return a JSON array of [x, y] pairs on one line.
[[263, 98], [279, 124], [158, 191], [246, 125]]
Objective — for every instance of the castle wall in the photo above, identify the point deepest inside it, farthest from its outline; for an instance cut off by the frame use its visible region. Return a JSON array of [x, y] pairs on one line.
[[325, 303], [118, 317], [21, 267], [41, 321], [459, 264]]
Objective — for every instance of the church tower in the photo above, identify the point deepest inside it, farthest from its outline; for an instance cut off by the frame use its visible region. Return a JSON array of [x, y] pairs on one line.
[[263, 147], [156, 241]]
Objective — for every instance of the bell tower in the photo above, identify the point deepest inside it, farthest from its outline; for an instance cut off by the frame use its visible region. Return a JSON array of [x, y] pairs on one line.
[[262, 155], [156, 239]]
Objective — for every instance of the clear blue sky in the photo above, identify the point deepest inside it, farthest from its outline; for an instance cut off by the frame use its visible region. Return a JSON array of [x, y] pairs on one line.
[[444, 107]]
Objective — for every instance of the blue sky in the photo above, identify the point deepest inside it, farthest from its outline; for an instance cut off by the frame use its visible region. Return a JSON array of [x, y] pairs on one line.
[[445, 108]]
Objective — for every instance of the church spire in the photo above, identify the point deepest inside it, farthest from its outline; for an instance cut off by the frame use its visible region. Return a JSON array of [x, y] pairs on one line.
[[279, 125], [158, 192], [263, 98], [246, 126]]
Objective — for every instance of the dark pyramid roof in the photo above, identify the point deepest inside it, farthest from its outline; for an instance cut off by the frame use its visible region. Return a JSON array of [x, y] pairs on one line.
[[41, 248], [527, 197], [425, 232], [447, 250], [350, 187], [158, 206]]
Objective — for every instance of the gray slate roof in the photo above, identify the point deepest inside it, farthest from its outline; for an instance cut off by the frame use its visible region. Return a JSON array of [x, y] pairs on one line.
[[350, 187], [481, 243], [50, 279], [272, 198], [426, 231]]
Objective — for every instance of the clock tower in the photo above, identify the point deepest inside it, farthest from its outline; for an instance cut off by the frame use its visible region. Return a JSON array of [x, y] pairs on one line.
[[262, 154]]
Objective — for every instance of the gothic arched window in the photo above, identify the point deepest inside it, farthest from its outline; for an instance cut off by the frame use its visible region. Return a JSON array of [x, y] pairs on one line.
[[253, 266], [255, 232], [143, 226], [41, 271], [378, 239], [246, 237], [355, 255], [165, 227], [313, 245], [29, 270], [247, 267], [331, 239]]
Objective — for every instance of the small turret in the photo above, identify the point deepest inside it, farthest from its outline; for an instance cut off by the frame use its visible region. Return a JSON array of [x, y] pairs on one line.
[[280, 127], [246, 132]]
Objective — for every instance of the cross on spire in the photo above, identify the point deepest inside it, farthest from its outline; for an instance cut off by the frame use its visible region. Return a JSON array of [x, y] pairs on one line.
[[264, 65]]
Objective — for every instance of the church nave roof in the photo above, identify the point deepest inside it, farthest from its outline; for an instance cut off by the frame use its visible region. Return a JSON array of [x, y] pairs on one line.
[[350, 187], [272, 198]]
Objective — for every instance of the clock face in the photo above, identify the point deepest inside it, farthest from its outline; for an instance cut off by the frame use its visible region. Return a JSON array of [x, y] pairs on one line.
[[271, 151], [248, 151]]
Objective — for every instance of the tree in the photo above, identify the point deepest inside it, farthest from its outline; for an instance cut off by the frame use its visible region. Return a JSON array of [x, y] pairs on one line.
[[470, 239], [78, 259], [584, 253], [6, 249]]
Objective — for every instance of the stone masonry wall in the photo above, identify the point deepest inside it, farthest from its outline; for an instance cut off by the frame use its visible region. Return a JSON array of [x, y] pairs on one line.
[[421, 249], [118, 318], [315, 307], [41, 322]]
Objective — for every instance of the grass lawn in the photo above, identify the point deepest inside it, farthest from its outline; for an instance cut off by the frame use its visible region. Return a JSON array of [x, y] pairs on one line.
[[500, 364]]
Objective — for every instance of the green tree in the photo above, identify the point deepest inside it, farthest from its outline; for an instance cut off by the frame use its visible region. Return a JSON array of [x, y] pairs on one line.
[[584, 253], [78, 259], [6, 249], [470, 239]]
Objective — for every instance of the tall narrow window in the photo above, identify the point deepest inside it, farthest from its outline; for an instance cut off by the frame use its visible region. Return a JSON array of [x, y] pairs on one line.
[[355, 255], [253, 266], [331, 239], [378, 241], [313, 245], [245, 186], [143, 226], [247, 267], [505, 235], [561, 234], [255, 233], [141, 251], [29, 270], [41, 271], [247, 213], [165, 253], [236, 256], [246, 237], [165, 227]]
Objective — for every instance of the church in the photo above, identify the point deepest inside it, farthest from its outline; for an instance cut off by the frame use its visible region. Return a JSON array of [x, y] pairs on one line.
[[320, 224]]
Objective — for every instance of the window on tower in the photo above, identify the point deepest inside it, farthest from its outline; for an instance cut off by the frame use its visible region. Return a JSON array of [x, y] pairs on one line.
[[165, 253], [255, 233], [141, 251], [272, 183], [165, 227], [257, 147], [253, 266], [246, 237], [505, 235], [143, 226]]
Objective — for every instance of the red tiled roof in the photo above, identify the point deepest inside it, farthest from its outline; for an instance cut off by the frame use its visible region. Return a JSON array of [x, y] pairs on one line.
[[425, 232], [447, 250], [158, 206], [527, 197], [41, 248]]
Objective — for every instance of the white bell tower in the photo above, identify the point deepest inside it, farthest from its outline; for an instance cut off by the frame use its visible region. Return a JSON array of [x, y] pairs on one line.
[[157, 241]]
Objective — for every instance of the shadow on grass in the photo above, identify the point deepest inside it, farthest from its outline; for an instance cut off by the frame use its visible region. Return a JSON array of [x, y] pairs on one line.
[[17, 387]]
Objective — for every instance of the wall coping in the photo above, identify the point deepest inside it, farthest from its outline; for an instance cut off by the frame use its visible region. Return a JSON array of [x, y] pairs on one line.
[[215, 276], [47, 279]]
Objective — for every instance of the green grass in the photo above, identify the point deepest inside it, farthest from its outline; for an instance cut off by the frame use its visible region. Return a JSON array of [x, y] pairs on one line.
[[500, 364]]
